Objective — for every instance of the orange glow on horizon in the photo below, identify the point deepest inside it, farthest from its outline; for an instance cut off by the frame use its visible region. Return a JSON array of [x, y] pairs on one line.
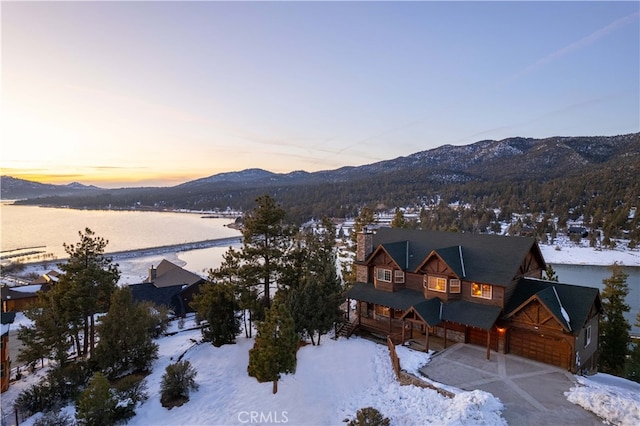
[[105, 180]]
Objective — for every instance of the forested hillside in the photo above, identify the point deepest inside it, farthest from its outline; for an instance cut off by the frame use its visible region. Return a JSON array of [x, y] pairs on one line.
[[560, 177]]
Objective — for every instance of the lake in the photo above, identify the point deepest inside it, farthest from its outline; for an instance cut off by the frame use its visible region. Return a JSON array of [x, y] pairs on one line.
[[592, 276], [44, 230]]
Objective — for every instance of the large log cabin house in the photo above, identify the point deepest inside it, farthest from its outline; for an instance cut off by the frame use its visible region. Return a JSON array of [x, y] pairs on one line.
[[472, 288]]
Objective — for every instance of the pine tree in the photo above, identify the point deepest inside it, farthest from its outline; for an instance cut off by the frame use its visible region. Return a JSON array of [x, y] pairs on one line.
[[399, 220], [96, 406], [369, 416], [85, 286], [614, 329], [550, 274], [216, 304], [266, 240], [125, 341], [49, 335], [232, 270], [274, 350], [632, 371], [314, 294]]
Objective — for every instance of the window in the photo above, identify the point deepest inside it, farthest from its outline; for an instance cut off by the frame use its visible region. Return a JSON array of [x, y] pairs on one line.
[[399, 276], [437, 283], [383, 275], [587, 336], [481, 290], [454, 286], [382, 310]]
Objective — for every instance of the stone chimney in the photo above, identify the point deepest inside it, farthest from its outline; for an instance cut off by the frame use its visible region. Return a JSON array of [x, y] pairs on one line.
[[152, 274], [364, 245]]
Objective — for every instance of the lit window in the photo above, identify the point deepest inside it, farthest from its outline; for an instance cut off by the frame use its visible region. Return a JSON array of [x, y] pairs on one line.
[[454, 286], [399, 276], [383, 275], [481, 290], [437, 284], [382, 310], [587, 336]]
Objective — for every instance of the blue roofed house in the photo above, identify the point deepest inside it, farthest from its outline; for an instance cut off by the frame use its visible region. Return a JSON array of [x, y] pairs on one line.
[[472, 288]]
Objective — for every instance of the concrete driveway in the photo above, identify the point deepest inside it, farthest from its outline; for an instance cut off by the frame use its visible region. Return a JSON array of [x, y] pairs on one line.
[[532, 392]]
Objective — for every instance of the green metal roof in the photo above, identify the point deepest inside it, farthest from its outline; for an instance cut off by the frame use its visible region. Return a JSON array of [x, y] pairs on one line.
[[429, 310], [401, 299], [576, 300], [471, 314], [454, 258], [493, 259]]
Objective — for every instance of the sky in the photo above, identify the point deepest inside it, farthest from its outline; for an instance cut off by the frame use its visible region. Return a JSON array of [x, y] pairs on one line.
[[158, 93]]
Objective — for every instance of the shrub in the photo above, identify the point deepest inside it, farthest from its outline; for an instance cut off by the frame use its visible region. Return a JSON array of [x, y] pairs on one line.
[[36, 398], [369, 416], [177, 381], [130, 390], [55, 418]]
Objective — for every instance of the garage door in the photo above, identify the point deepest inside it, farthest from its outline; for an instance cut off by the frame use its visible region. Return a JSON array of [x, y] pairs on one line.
[[539, 347], [478, 336]]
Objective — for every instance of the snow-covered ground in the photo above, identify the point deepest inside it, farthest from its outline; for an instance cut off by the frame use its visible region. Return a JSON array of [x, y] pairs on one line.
[[331, 383], [564, 251], [612, 398]]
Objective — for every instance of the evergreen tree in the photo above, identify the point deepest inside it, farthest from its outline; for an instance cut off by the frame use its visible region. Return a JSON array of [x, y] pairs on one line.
[[364, 219], [125, 341], [85, 287], [266, 239], [633, 364], [274, 350], [49, 335], [232, 271], [614, 328], [314, 297], [322, 272], [216, 304], [369, 416], [550, 274], [96, 406], [399, 220]]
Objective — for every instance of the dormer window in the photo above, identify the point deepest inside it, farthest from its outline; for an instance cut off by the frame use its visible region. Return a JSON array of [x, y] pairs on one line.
[[383, 275], [483, 291], [436, 283], [454, 286], [399, 276]]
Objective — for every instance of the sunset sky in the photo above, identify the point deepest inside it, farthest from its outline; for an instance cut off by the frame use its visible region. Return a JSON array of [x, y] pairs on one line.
[[158, 93]]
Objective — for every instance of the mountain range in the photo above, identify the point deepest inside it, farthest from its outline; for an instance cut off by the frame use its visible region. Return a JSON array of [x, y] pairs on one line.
[[512, 160]]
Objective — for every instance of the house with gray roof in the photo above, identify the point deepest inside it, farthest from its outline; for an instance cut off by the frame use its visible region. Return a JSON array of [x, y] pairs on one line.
[[169, 285], [472, 288]]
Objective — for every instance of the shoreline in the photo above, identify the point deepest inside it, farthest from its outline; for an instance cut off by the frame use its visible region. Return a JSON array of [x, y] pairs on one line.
[[152, 251]]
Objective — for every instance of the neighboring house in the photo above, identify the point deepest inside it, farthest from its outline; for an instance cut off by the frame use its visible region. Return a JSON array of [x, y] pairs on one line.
[[18, 298], [578, 230], [5, 360], [49, 278], [472, 288], [169, 285]]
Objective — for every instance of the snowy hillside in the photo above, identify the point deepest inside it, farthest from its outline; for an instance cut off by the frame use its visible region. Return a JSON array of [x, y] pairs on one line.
[[331, 383]]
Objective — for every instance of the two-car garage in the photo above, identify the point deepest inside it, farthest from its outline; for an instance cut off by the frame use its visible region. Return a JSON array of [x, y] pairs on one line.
[[540, 347]]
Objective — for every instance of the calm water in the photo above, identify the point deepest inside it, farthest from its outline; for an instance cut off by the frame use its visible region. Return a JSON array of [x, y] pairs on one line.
[[592, 276], [47, 229]]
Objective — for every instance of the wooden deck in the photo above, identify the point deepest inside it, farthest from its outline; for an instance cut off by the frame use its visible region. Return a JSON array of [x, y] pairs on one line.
[[379, 330]]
